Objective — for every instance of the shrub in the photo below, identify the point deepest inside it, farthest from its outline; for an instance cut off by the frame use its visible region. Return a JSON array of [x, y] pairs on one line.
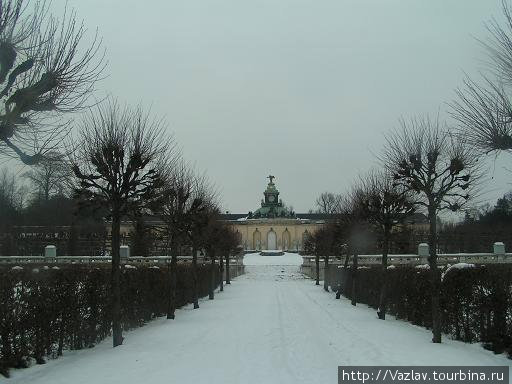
[[476, 302], [44, 310]]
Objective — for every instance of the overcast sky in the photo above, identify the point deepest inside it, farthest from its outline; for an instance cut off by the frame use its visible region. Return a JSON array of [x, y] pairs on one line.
[[304, 90]]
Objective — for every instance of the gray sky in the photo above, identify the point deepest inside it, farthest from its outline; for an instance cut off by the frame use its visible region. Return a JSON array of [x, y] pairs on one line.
[[304, 90]]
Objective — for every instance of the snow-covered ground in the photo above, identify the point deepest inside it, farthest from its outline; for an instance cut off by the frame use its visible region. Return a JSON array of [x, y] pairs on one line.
[[270, 326]]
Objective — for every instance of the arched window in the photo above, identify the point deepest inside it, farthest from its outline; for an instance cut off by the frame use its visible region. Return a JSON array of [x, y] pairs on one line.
[[256, 240], [271, 239], [286, 240]]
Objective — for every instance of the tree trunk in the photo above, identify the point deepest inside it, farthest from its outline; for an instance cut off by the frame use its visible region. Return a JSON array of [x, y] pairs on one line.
[[383, 285], [221, 271], [435, 277], [346, 271], [194, 277], [117, 332], [354, 280], [211, 294], [326, 273], [228, 277], [171, 304], [317, 264]]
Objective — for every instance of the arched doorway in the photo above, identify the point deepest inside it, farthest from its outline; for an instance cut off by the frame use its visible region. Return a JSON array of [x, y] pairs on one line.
[[256, 240], [271, 239], [286, 240]]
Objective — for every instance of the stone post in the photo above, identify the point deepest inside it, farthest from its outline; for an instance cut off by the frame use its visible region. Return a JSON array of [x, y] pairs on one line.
[[499, 248], [124, 253], [423, 250], [50, 251]]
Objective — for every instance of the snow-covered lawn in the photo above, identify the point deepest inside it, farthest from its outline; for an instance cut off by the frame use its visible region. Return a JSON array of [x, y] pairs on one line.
[[270, 326]]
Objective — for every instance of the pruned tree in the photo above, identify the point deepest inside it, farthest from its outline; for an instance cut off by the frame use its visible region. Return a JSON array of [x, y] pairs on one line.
[[484, 108], [233, 246], [119, 153], [182, 205], [45, 72], [207, 194], [499, 44], [484, 112], [384, 205], [226, 244], [440, 172], [212, 234], [354, 231]]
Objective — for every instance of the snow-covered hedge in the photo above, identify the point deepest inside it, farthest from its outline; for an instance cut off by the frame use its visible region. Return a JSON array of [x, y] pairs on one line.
[[44, 313], [476, 300]]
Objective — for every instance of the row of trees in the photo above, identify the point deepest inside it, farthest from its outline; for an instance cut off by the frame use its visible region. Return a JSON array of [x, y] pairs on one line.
[[427, 166], [127, 166], [122, 165]]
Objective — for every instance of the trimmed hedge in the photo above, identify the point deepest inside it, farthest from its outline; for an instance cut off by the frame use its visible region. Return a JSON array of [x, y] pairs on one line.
[[476, 303], [44, 310]]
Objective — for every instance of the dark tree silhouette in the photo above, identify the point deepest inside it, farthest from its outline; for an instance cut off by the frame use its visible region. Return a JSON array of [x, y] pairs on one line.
[[328, 203], [385, 206], [440, 172], [182, 205], [356, 233], [45, 71], [484, 108], [116, 163], [50, 177]]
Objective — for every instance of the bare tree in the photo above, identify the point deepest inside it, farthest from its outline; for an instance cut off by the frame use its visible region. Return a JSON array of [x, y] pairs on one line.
[[51, 176], [207, 193], [212, 234], [384, 205], [227, 243], [328, 203], [182, 204], [322, 244], [45, 71], [499, 44], [116, 163], [484, 108], [355, 232], [440, 172], [485, 115], [11, 202]]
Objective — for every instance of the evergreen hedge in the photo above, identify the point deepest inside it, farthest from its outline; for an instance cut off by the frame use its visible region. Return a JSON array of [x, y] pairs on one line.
[[44, 310], [476, 302]]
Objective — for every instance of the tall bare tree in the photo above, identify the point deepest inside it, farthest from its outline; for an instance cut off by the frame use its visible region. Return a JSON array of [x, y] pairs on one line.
[[207, 193], [384, 205], [45, 71], [440, 172], [182, 204], [116, 163]]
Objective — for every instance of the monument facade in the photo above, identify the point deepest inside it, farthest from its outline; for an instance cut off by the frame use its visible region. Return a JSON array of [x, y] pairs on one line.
[[273, 226]]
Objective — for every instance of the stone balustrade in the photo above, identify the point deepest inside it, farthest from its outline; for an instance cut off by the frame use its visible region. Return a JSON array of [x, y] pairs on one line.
[[50, 258], [496, 257]]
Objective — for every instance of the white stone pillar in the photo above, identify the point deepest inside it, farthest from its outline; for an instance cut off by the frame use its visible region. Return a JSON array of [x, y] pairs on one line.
[[124, 253], [50, 251], [499, 248], [423, 249]]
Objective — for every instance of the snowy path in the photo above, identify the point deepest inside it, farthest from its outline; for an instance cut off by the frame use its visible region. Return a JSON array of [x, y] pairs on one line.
[[270, 326]]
